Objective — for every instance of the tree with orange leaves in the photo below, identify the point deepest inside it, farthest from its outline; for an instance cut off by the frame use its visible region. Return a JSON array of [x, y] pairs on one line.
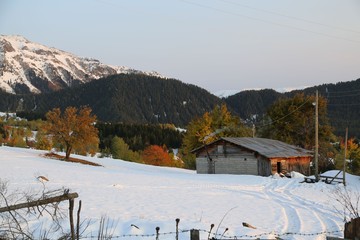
[[74, 129], [352, 155]]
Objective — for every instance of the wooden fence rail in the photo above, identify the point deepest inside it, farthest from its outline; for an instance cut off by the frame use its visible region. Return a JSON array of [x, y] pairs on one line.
[[39, 202]]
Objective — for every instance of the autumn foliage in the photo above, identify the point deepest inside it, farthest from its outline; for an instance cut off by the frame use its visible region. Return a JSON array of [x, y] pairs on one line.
[[157, 156], [73, 130], [352, 156]]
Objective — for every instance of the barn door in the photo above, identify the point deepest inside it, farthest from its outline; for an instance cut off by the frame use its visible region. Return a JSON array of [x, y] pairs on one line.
[[278, 167], [211, 166]]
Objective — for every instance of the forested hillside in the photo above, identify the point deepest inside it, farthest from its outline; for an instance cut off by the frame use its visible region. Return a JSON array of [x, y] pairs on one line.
[[127, 98], [248, 104], [130, 98], [343, 101]]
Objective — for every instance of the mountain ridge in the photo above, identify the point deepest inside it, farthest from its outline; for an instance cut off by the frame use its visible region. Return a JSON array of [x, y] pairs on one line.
[[127, 98], [28, 67]]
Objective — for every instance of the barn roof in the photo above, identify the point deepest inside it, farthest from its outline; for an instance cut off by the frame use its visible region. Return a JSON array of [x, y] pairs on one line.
[[267, 147]]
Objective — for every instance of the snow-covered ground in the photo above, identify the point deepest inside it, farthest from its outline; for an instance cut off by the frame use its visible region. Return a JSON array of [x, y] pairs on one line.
[[149, 196]]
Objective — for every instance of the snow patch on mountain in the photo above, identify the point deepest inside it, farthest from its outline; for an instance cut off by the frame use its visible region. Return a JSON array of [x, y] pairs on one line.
[[26, 66]]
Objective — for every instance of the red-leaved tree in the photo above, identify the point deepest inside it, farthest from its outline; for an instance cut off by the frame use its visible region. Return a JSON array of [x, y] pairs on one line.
[[157, 156]]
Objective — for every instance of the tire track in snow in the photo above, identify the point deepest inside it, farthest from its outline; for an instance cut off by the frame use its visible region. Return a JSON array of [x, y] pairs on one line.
[[326, 217], [292, 221], [294, 207]]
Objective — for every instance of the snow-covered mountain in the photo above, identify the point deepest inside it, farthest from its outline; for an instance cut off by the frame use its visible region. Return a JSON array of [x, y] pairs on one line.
[[26, 66]]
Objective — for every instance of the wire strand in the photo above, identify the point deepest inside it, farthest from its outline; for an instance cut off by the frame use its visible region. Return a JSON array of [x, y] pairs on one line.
[[274, 121], [268, 22], [290, 17]]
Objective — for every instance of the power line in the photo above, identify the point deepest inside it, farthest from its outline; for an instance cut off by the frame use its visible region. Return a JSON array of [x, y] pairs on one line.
[[290, 17], [268, 22], [274, 121], [348, 91], [343, 104], [357, 90], [340, 96]]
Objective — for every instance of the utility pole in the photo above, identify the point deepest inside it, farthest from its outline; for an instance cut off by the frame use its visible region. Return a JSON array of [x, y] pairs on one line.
[[317, 136], [344, 168]]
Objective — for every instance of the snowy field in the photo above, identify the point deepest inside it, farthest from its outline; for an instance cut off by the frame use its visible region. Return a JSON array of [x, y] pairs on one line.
[[150, 197]]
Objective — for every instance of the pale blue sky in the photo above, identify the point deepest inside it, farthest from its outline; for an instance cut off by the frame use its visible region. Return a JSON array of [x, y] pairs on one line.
[[214, 44]]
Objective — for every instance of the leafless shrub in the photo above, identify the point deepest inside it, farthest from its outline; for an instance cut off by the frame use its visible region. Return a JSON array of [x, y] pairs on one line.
[[30, 222], [106, 228], [349, 201]]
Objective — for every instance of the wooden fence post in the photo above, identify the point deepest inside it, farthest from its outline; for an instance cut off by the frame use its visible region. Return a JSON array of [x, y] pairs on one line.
[[194, 234], [211, 228], [352, 229], [177, 228], [78, 222], [157, 232], [71, 217]]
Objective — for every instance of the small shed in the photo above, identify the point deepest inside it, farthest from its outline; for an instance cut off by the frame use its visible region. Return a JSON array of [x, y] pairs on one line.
[[254, 156]]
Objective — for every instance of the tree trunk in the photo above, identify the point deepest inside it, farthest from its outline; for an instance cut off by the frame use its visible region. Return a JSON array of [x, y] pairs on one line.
[[68, 152], [71, 217]]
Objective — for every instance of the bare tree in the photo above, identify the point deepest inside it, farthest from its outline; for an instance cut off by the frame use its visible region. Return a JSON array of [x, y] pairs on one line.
[[31, 222], [26, 215], [349, 201]]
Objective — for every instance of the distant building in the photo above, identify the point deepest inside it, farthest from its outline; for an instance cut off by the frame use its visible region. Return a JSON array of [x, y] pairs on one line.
[[253, 156]]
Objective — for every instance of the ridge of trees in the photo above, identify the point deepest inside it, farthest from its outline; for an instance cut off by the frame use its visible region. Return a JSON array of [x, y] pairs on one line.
[[127, 98], [343, 104], [149, 100]]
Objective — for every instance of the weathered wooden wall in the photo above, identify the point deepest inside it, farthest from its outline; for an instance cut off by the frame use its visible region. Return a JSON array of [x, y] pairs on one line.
[[228, 158], [297, 164], [241, 164]]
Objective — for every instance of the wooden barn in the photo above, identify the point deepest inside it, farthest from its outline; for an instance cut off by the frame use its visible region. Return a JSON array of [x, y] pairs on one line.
[[254, 156]]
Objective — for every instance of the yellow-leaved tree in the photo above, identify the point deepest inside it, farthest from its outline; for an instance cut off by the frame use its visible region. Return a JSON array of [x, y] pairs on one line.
[[208, 128], [74, 130]]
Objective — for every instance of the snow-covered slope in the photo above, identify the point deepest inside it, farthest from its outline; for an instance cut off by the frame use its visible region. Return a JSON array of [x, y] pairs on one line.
[[26, 66], [148, 196]]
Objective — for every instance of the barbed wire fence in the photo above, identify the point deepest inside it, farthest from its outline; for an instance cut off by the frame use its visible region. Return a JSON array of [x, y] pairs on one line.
[[194, 234], [217, 237], [106, 230]]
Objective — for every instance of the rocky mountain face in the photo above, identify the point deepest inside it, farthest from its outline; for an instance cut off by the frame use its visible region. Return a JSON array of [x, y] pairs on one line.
[[28, 67]]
